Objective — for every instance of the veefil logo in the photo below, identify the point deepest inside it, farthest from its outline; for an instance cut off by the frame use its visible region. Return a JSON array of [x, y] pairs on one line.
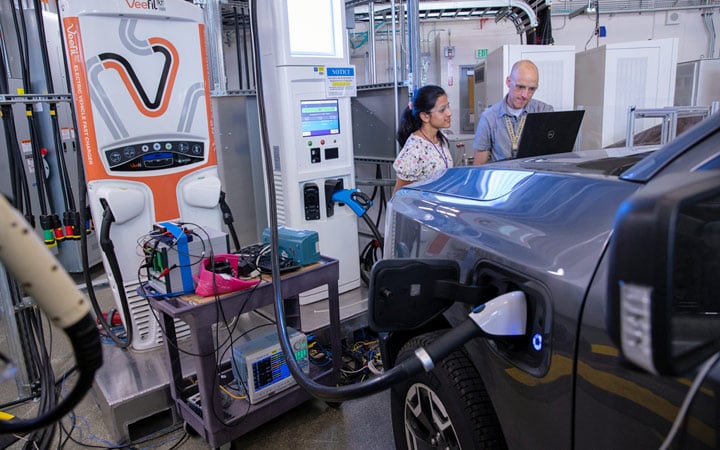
[[132, 71], [149, 4], [150, 107]]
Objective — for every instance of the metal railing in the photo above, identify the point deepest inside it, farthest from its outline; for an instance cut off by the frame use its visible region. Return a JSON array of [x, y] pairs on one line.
[[668, 115]]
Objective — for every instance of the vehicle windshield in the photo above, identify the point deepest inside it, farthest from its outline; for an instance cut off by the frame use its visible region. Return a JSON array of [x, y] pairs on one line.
[[613, 166]]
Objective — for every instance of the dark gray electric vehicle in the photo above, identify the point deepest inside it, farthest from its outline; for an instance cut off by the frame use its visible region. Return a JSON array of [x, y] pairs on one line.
[[618, 255]]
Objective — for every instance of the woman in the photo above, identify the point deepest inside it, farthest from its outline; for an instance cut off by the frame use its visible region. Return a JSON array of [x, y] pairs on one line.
[[425, 150]]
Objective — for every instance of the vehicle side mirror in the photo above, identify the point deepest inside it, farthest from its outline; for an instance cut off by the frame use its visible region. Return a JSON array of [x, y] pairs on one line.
[[664, 273], [403, 293]]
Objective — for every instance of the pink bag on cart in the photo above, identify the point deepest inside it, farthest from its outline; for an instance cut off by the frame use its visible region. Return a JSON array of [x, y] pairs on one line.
[[218, 275]]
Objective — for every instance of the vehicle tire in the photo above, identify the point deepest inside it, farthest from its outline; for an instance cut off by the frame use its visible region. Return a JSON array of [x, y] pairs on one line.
[[447, 408]]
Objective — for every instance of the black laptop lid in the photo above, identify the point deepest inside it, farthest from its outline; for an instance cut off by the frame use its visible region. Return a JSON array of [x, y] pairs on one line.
[[545, 133]]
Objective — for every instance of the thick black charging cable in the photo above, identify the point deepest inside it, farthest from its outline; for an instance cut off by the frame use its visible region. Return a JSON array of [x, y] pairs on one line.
[[436, 351], [107, 246]]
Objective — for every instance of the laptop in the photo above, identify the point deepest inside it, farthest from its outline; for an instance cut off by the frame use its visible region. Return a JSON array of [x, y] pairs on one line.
[[546, 133]]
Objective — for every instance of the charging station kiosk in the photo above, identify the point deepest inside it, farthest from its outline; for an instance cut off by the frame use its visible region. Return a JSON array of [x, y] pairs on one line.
[[140, 88], [308, 83]]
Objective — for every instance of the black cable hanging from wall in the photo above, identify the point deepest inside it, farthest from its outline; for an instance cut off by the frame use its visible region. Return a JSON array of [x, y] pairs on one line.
[[246, 52], [48, 220], [236, 27], [68, 199], [62, 172], [542, 34], [240, 24]]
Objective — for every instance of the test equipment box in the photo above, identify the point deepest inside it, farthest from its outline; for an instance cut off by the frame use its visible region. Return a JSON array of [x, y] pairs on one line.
[[302, 246], [259, 365], [173, 254]]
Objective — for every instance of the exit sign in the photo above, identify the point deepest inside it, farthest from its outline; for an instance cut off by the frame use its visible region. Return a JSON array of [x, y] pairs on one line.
[[481, 53]]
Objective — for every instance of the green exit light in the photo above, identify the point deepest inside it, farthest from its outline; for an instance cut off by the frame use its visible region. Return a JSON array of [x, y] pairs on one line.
[[481, 53]]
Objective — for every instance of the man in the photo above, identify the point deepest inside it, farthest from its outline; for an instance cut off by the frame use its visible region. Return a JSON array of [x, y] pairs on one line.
[[498, 131]]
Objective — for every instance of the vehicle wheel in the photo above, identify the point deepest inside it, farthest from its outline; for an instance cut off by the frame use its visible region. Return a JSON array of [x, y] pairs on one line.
[[446, 408]]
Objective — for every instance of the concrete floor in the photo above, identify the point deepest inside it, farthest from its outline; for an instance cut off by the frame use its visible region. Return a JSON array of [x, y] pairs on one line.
[[357, 424]]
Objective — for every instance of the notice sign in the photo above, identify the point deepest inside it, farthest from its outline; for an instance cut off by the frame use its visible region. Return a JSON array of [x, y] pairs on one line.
[[340, 82]]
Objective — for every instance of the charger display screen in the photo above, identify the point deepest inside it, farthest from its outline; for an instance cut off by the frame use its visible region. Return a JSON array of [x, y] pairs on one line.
[[320, 117]]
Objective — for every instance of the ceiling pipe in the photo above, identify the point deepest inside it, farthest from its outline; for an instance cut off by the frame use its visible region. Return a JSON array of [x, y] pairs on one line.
[[636, 10], [424, 7]]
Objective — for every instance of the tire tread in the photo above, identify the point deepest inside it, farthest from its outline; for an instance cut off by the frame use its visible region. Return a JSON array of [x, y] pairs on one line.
[[477, 405]]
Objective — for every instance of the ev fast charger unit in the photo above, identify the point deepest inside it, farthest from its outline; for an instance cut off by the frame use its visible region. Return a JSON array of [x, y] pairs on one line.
[[140, 91], [309, 82]]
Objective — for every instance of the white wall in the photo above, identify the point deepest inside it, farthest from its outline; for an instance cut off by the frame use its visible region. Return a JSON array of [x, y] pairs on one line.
[[470, 35]]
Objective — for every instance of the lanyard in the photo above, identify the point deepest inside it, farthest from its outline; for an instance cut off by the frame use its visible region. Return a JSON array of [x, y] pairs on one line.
[[440, 152], [515, 137]]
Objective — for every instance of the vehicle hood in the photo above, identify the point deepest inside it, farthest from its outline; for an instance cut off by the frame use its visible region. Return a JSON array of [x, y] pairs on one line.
[[589, 163], [555, 221]]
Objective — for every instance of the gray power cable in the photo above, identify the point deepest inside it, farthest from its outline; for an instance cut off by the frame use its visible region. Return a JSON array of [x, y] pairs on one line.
[[689, 397]]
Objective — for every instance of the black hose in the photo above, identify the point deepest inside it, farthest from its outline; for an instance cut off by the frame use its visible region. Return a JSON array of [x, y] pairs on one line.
[[245, 50], [84, 217], [41, 438], [368, 255], [22, 47], [373, 229], [40, 180], [237, 46], [24, 323], [107, 246], [85, 340], [409, 367], [228, 220], [60, 160]]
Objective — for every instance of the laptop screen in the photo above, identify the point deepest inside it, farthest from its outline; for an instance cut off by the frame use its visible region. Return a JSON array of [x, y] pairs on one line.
[[545, 133]]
